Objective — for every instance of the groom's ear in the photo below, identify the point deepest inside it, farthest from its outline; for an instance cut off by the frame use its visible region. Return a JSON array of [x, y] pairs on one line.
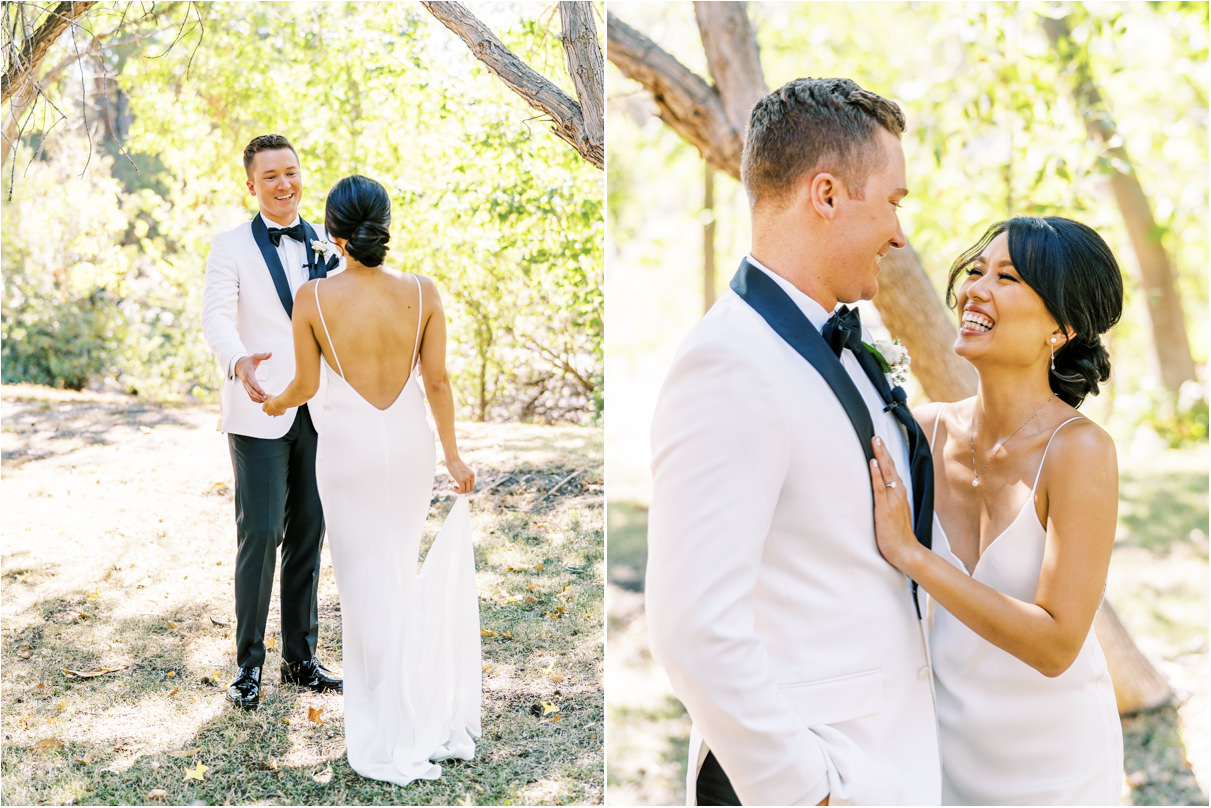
[[822, 191]]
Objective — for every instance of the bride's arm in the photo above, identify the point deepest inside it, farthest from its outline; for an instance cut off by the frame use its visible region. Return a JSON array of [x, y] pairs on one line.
[[306, 356], [1081, 506], [437, 386]]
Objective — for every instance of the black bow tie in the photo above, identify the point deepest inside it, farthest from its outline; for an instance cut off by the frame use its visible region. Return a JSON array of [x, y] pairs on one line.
[[843, 330], [295, 232]]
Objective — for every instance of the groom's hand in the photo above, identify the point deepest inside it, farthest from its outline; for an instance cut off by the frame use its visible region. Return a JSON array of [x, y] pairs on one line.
[[245, 371]]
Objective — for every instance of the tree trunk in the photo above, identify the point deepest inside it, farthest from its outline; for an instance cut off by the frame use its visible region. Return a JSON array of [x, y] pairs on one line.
[[698, 112], [1138, 685], [587, 68], [1171, 345], [732, 58], [538, 91]]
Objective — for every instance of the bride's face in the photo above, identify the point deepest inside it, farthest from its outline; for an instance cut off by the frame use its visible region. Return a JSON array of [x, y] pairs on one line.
[[1001, 318]]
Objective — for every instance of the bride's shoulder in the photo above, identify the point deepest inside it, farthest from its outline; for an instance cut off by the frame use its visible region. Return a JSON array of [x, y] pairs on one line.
[[927, 414]]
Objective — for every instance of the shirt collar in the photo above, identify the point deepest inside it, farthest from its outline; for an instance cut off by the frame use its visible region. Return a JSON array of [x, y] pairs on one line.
[[813, 310], [268, 223]]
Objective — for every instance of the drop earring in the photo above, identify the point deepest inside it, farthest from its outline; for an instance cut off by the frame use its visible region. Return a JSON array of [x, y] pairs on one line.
[[1053, 354]]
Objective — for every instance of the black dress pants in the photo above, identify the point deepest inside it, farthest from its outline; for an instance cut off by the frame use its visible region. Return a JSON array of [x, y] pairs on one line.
[[713, 786], [277, 504]]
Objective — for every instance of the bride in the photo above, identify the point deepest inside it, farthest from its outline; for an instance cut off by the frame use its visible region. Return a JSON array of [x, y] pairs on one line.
[[1024, 520], [410, 642]]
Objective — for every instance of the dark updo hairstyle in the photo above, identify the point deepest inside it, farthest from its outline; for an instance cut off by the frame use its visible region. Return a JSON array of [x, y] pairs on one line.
[[358, 209], [1070, 267]]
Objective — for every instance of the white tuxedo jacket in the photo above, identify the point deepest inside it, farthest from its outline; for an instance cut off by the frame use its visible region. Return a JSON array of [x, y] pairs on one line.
[[794, 646], [242, 314]]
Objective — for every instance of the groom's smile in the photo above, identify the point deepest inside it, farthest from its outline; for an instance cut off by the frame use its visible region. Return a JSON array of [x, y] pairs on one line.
[[276, 180]]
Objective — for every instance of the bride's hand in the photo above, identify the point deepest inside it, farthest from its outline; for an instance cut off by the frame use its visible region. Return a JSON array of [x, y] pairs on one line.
[[272, 406], [464, 478], [893, 518]]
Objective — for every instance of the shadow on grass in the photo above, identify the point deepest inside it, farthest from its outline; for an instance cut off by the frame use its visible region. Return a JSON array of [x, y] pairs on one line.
[[37, 430], [1158, 771]]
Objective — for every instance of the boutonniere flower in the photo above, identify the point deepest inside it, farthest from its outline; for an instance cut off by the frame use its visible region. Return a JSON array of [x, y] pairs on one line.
[[324, 248], [893, 359]]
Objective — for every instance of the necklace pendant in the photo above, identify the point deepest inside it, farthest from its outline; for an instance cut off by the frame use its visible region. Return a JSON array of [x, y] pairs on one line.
[[975, 483]]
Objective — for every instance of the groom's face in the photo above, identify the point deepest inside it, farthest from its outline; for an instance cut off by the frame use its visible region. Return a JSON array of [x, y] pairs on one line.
[[276, 180], [868, 228]]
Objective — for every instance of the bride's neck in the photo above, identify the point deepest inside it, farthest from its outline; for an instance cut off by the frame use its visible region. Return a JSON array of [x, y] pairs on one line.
[[1003, 402]]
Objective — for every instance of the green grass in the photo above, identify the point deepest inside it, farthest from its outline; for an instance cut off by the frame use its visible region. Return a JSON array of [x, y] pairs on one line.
[[118, 543]]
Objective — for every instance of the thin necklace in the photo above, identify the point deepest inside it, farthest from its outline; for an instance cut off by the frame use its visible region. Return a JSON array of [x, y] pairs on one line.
[[971, 442]]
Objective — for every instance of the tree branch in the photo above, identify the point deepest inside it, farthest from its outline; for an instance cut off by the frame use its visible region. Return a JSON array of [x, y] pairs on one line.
[[538, 91], [732, 58], [587, 68], [18, 73], [691, 107]]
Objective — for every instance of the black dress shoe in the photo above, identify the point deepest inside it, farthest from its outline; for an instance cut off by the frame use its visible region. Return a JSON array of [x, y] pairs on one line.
[[245, 691], [311, 674]]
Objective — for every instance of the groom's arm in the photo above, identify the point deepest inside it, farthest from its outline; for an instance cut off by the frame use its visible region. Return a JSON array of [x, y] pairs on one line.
[[220, 306], [719, 460]]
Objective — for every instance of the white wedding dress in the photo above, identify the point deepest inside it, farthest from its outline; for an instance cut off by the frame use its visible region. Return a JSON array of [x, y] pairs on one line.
[[411, 654], [1010, 735]]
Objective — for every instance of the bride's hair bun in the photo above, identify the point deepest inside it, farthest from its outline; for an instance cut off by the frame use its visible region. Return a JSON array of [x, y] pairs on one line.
[[358, 209], [1070, 267]]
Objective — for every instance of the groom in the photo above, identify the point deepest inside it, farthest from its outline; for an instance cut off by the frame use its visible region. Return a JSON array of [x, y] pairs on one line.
[[252, 275], [797, 650]]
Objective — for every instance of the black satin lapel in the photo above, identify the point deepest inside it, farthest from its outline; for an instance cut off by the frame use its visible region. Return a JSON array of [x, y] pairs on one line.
[[260, 234], [790, 323]]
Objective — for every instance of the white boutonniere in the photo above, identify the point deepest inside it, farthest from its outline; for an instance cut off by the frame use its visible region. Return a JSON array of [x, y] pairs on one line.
[[324, 248], [893, 359]]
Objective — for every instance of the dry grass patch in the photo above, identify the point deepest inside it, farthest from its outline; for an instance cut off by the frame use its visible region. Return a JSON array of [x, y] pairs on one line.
[[118, 552]]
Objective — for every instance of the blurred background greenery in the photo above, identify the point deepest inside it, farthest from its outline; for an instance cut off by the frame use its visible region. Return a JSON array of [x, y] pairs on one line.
[[994, 130], [131, 162]]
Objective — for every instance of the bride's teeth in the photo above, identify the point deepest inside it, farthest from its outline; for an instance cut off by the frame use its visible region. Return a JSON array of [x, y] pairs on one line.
[[977, 321]]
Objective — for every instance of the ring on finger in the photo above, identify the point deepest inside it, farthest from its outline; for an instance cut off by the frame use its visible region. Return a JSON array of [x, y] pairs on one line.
[[891, 484]]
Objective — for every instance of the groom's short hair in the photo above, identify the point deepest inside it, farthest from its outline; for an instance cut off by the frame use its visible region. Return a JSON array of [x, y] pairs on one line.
[[262, 143], [821, 124]]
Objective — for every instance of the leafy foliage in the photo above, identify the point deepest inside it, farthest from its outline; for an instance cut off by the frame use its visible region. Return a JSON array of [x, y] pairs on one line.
[[506, 218]]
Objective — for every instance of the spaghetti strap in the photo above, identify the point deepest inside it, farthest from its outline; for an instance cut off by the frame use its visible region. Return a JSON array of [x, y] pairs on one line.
[[1043, 459], [936, 421], [331, 344], [420, 310]]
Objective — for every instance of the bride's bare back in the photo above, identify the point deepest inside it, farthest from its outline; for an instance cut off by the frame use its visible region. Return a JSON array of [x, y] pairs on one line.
[[374, 320]]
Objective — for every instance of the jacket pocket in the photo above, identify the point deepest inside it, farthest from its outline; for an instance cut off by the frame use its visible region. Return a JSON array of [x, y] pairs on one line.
[[841, 698]]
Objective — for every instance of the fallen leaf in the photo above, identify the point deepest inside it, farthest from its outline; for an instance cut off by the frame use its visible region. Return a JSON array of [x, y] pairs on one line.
[[324, 777], [170, 674], [271, 642], [538, 566], [40, 686], [61, 705], [315, 715], [48, 745], [157, 794], [535, 586], [87, 760], [555, 718], [184, 753], [483, 632], [174, 691], [549, 668], [548, 708], [94, 595], [94, 673], [509, 634], [196, 772], [489, 666], [23, 652], [172, 625], [530, 598], [556, 677]]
